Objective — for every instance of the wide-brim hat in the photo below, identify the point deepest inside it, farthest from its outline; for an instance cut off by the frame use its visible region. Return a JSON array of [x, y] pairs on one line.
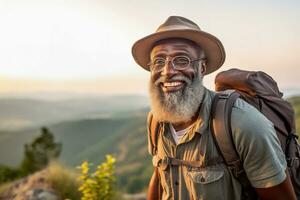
[[180, 27]]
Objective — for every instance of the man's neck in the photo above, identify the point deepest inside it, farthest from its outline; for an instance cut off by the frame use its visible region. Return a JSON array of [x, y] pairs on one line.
[[181, 126]]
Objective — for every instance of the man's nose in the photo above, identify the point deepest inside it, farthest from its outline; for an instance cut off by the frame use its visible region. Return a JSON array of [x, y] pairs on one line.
[[168, 69]]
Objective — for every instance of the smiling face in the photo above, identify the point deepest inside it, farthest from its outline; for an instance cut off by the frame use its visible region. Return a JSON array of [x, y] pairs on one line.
[[171, 49], [176, 93]]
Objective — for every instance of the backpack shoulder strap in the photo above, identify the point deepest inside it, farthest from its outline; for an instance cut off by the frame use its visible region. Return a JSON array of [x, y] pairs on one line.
[[222, 134], [154, 188], [221, 128], [153, 129]]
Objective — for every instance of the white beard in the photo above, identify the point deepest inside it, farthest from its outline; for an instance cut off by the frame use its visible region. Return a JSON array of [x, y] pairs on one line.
[[177, 107]]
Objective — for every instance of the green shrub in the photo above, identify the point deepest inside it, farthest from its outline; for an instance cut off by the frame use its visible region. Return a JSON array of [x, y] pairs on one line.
[[98, 185]]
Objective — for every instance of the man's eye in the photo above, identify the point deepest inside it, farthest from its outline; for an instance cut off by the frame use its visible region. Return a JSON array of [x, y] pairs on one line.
[[159, 61], [181, 61]]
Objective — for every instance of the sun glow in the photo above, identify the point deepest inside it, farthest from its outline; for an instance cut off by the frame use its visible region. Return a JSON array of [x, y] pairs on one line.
[[82, 41]]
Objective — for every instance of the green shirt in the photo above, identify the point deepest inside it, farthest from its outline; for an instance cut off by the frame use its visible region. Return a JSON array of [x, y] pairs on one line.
[[256, 143]]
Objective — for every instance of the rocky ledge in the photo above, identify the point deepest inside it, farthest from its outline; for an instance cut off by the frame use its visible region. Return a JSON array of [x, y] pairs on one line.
[[33, 187]]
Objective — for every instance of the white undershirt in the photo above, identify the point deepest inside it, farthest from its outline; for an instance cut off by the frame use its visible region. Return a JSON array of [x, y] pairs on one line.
[[177, 135]]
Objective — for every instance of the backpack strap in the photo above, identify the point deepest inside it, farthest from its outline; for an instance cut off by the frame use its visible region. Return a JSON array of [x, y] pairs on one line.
[[221, 129], [155, 189], [153, 130], [222, 134]]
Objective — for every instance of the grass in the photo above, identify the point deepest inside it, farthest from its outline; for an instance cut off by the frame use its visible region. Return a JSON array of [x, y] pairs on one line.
[[64, 181], [4, 186]]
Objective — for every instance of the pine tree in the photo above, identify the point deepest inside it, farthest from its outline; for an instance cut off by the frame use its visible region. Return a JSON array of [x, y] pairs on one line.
[[40, 152]]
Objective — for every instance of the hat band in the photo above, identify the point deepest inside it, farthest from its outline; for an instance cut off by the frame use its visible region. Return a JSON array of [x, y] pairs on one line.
[[177, 27]]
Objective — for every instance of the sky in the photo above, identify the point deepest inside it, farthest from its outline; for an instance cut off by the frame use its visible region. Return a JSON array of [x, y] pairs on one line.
[[84, 47]]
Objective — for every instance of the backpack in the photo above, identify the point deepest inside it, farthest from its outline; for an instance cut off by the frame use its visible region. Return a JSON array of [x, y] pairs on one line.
[[261, 91]]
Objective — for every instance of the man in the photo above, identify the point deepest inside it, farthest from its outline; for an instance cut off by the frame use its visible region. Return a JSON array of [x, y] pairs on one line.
[[178, 55]]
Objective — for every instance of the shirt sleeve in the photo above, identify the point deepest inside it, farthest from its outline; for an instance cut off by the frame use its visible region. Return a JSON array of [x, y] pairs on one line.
[[258, 146]]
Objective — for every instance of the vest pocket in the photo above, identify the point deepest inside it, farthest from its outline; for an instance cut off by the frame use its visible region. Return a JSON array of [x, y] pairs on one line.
[[205, 176], [207, 183]]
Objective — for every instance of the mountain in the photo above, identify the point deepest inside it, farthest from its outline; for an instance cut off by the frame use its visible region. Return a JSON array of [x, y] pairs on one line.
[[18, 113]]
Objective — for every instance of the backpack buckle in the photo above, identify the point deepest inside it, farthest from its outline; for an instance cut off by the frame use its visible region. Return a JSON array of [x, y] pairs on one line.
[[161, 163], [164, 163], [235, 167], [293, 161]]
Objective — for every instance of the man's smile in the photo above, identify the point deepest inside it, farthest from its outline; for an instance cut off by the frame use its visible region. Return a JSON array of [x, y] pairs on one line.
[[172, 86]]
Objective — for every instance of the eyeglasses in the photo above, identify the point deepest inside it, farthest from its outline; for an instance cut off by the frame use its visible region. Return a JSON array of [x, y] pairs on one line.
[[178, 62]]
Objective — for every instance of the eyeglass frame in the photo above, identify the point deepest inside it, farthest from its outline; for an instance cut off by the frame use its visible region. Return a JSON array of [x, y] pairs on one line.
[[150, 64]]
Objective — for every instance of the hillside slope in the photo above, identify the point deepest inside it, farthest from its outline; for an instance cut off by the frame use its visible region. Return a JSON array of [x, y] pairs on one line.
[[295, 101], [91, 140]]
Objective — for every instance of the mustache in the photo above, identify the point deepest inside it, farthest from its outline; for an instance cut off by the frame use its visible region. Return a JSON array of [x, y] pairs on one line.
[[163, 79]]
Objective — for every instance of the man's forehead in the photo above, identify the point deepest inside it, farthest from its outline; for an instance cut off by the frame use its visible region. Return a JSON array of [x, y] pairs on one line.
[[178, 43]]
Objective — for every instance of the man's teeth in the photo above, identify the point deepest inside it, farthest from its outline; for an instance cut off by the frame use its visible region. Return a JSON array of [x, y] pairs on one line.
[[172, 84]]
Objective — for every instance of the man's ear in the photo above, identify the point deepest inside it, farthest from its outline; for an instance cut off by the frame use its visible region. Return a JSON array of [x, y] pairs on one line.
[[203, 67]]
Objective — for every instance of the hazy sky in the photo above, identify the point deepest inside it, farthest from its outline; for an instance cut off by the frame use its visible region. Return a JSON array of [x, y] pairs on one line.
[[85, 46]]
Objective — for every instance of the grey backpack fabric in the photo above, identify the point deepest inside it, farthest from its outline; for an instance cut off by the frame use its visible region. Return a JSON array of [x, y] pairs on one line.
[[261, 91]]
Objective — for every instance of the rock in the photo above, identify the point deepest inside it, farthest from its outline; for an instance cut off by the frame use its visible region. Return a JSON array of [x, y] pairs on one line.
[[33, 187], [41, 194]]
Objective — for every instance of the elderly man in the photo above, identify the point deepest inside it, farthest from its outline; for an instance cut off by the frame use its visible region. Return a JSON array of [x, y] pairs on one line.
[[178, 56]]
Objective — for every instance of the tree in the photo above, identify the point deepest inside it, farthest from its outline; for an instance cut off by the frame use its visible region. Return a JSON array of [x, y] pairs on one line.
[[38, 154], [8, 173]]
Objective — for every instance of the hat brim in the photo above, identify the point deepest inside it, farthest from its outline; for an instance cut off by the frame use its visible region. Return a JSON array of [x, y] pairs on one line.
[[211, 45]]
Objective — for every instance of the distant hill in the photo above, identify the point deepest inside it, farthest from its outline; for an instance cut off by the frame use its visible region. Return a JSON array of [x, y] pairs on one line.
[[18, 114]]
